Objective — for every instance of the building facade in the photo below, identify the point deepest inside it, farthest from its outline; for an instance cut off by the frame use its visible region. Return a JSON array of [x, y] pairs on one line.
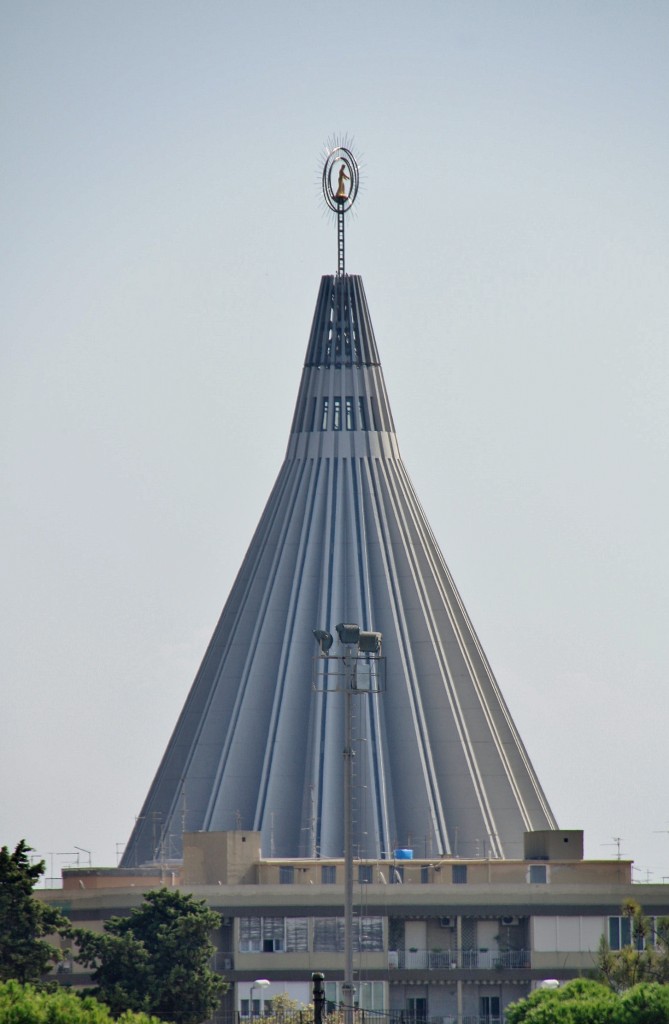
[[448, 941]]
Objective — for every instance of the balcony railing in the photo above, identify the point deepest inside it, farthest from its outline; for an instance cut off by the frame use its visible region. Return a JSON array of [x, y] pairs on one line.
[[464, 959], [362, 1017], [223, 961]]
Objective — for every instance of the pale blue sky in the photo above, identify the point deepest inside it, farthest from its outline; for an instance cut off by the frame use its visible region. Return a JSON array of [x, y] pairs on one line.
[[162, 243]]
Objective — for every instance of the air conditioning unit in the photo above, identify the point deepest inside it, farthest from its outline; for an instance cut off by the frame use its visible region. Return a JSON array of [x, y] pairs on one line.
[[508, 921], [447, 922]]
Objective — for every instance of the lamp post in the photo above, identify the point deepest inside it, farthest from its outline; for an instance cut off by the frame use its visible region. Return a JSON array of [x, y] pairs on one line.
[[358, 644], [258, 983], [347, 987]]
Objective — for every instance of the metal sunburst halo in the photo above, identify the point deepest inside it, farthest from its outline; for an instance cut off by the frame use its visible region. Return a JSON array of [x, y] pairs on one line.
[[340, 183]]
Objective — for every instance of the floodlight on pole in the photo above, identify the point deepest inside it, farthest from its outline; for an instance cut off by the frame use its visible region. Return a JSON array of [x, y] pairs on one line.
[[363, 648], [349, 634], [324, 640], [369, 642]]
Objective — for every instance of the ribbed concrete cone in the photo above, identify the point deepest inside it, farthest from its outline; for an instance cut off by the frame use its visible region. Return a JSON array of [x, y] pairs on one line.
[[439, 765]]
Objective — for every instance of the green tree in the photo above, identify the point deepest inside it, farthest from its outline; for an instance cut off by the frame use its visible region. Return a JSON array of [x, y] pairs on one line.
[[25, 1004], [157, 959], [589, 1002], [644, 958], [645, 1004], [24, 920], [580, 1001]]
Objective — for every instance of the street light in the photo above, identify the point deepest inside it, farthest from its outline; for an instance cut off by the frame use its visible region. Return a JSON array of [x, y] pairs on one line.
[[365, 645], [258, 983]]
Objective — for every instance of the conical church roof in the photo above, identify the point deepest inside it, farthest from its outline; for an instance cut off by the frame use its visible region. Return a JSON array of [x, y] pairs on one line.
[[439, 764]]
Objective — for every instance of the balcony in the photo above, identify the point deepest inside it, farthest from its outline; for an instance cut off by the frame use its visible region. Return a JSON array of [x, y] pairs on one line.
[[462, 959], [223, 961]]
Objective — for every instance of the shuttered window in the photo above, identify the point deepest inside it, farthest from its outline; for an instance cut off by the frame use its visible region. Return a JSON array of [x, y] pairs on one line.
[[250, 934], [369, 934], [329, 934], [297, 935]]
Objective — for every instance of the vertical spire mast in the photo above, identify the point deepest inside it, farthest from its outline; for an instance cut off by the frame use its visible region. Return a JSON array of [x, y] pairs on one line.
[[340, 199]]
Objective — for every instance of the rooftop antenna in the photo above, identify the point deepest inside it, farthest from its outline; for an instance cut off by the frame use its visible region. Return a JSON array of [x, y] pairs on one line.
[[617, 840], [183, 807], [312, 820], [341, 181]]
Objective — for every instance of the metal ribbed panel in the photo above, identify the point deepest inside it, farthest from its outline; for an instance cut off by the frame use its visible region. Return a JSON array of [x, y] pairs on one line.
[[342, 333], [439, 765]]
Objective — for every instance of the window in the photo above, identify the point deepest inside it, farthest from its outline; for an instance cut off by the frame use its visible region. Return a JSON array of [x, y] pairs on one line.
[[324, 417], [622, 933], [417, 1008], [250, 932], [273, 935], [297, 935], [363, 415], [397, 876], [365, 874], [368, 934], [459, 874], [424, 874], [369, 995], [329, 934], [286, 875], [375, 413], [312, 420], [328, 874], [489, 1009], [244, 1008], [336, 413], [538, 874], [350, 415]]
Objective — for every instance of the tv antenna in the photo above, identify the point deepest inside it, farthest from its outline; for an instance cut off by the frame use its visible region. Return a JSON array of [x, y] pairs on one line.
[[617, 840]]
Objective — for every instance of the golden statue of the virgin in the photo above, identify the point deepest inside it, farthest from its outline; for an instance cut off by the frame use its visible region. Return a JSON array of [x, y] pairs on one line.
[[341, 187]]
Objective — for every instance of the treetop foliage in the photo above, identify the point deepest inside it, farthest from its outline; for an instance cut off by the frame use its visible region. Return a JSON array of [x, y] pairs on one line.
[[583, 1001], [157, 959], [26, 1004], [25, 921]]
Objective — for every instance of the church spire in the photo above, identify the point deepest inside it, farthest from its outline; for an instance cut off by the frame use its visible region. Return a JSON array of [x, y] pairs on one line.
[[439, 763]]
